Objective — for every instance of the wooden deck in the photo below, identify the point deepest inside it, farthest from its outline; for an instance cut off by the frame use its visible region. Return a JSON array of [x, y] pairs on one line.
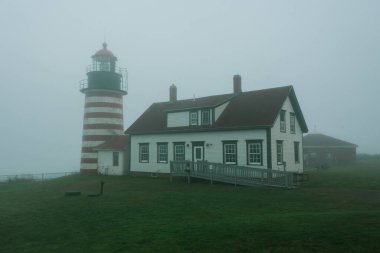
[[238, 175]]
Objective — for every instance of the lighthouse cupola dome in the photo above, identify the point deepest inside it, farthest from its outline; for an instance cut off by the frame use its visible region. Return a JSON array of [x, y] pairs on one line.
[[104, 52]]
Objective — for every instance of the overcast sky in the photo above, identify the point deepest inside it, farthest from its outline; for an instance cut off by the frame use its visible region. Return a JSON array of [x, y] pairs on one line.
[[328, 50]]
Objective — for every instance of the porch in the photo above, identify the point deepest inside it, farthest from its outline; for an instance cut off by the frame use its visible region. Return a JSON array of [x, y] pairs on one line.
[[237, 175]]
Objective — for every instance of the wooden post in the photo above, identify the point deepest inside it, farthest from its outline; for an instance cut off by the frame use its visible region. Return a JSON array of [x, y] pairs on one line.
[[235, 178], [211, 172], [171, 171]]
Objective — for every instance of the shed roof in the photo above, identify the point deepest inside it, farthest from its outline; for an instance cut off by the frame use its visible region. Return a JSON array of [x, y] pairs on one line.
[[116, 143], [252, 109], [321, 140]]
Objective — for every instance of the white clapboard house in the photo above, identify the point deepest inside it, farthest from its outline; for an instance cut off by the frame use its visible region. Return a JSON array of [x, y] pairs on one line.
[[261, 129]]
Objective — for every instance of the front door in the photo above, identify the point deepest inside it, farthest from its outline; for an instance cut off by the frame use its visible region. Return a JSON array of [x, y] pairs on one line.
[[198, 153]]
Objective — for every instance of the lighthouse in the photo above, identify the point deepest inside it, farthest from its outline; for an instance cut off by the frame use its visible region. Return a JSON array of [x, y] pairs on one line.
[[104, 88]]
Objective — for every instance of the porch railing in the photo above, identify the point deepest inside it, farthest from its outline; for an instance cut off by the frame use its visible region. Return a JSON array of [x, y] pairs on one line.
[[238, 175]]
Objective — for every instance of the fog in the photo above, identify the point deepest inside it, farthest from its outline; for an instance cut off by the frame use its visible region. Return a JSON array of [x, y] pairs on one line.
[[328, 50]]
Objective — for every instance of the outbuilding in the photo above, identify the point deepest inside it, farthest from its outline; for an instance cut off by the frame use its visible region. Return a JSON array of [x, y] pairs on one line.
[[322, 151], [113, 156]]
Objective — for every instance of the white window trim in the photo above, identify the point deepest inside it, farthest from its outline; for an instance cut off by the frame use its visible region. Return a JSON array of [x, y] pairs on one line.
[[141, 153], [283, 122], [159, 154], [208, 117], [195, 122], [292, 119], [233, 144], [260, 153], [175, 152], [281, 152]]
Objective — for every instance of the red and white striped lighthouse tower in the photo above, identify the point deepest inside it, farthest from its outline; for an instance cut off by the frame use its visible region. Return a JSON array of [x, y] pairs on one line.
[[104, 88]]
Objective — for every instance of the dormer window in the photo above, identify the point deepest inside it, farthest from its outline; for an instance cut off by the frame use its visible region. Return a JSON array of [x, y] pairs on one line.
[[193, 118], [282, 121], [206, 117]]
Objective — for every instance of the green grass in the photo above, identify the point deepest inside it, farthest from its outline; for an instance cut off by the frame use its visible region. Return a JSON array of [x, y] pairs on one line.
[[338, 210]]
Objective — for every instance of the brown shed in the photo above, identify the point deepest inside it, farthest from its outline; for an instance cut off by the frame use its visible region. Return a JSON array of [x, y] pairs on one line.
[[322, 151]]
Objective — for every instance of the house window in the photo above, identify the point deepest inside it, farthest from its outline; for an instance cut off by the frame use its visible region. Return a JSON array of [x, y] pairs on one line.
[[206, 117], [280, 152], [254, 152], [282, 121], [296, 152], [115, 160], [144, 152], [179, 151], [292, 123], [193, 118], [162, 152], [230, 152]]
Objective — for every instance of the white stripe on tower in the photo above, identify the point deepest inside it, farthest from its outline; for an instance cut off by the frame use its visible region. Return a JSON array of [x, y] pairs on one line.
[[103, 119]]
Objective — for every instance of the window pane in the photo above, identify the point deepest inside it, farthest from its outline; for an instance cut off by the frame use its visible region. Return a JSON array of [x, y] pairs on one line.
[[162, 152], [282, 121], [254, 153], [198, 153], [144, 152], [230, 153], [179, 152], [279, 152], [292, 123], [205, 117], [194, 118], [115, 158], [296, 152]]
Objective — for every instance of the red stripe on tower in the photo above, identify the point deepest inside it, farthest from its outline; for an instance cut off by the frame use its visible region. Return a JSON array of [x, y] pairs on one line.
[[103, 126], [110, 115], [88, 150], [103, 104], [103, 94]]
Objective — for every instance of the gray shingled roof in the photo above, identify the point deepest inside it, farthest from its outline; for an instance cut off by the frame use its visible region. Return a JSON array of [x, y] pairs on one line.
[[252, 109]]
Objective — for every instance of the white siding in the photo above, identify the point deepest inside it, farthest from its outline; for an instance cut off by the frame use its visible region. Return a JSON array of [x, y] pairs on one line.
[[219, 110], [212, 153], [177, 119], [288, 141], [105, 163]]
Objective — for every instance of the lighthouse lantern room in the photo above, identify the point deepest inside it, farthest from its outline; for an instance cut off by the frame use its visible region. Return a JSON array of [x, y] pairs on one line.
[[104, 88]]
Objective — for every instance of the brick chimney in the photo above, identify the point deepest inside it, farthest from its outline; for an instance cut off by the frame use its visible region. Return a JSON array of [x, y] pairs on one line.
[[173, 93], [237, 84]]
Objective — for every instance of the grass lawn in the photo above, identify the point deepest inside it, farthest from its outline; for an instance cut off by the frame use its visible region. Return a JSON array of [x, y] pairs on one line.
[[338, 210]]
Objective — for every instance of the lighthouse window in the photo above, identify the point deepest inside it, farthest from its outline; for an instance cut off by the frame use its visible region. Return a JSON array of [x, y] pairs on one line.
[[144, 152], [104, 66]]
